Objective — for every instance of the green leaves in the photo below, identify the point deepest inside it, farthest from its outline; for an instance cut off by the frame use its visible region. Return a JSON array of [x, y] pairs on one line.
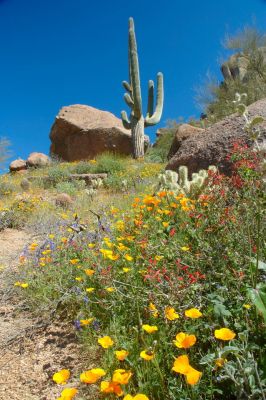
[[258, 297]]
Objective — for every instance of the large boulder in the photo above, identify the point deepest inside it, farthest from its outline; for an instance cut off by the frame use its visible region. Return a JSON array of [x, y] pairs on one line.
[[182, 133], [18, 165], [212, 146], [81, 132], [38, 160]]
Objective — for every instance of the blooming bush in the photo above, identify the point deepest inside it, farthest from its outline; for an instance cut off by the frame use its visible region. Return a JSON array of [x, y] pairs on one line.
[[163, 289]]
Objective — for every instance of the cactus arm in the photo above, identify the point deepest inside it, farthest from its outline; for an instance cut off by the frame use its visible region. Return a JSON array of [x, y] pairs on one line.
[[155, 118], [128, 100], [127, 86], [134, 70], [150, 99], [125, 120]]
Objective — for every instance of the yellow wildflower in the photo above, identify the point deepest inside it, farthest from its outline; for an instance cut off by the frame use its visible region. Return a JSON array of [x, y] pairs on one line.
[[125, 269], [61, 377], [105, 342], [74, 261], [224, 334], [121, 355], [84, 322], [193, 313], [149, 328], [90, 289], [92, 375], [153, 310], [68, 394], [110, 289], [111, 387], [89, 272], [121, 376], [128, 257], [170, 313], [139, 396], [184, 341], [147, 355], [184, 248]]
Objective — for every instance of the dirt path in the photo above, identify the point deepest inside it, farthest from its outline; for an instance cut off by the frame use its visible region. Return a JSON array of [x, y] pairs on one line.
[[30, 349]]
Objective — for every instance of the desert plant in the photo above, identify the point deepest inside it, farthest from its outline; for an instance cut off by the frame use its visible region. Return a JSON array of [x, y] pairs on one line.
[[109, 163], [56, 175], [83, 167], [179, 182], [6, 188], [216, 98], [133, 99]]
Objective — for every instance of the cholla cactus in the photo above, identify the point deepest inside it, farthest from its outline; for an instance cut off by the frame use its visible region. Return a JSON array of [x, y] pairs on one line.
[[179, 182], [96, 183]]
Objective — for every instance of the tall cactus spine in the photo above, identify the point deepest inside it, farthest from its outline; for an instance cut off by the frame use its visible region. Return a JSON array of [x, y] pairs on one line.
[[137, 122]]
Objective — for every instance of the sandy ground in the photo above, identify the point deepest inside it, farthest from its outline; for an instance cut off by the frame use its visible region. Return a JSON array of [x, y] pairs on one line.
[[31, 349]]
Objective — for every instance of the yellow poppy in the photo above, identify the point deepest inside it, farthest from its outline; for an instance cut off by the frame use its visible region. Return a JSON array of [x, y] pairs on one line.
[[193, 313], [184, 341], [105, 342], [121, 355], [61, 377], [149, 328], [121, 376], [68, 394], [147, 355], [170, 313], [224, 334], [89, 272], [92, 375], [111, 387]]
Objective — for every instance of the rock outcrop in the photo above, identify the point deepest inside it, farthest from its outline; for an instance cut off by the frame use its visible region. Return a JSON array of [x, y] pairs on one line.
[[18, 165], [38, 160], [182, 133], [212, 146], [81, 132]]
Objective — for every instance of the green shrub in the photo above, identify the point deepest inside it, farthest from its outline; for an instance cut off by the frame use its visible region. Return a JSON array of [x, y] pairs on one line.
[[159, 151], [56, 175], [109, 163], [70, 188], [83, 167], [6, 188]]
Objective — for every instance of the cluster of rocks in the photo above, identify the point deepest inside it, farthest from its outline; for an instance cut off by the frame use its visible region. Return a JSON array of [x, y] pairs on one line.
[[35, 160]]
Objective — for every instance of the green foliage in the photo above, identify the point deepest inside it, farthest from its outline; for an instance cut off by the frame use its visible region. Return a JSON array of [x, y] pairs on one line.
[[83, 167], [56, 174], [171, 251], [70, 188], [159, 151], [109, 163], [7, 188]]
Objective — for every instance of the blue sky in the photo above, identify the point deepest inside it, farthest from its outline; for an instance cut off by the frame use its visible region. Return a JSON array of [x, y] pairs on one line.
[[60, 52]]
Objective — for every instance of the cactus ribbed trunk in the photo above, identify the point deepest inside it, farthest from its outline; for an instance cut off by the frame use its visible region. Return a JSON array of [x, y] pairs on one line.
[[136, 122], [137, 129]]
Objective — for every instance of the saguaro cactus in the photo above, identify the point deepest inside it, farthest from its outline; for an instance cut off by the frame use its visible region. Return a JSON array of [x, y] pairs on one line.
[[136, 122]]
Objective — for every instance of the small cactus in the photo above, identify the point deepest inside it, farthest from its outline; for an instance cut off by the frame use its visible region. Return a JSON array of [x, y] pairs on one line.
[[179, 182]]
